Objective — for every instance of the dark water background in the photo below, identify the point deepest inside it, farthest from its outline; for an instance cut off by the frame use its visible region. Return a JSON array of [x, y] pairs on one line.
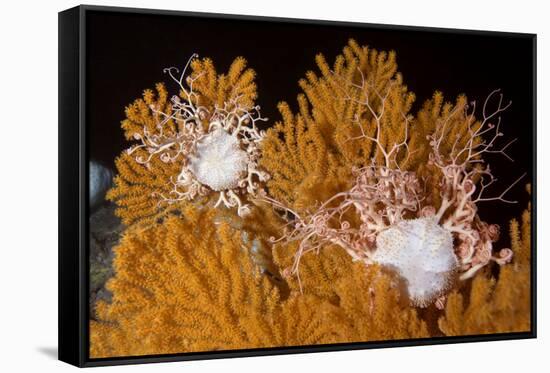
[[127, 53]]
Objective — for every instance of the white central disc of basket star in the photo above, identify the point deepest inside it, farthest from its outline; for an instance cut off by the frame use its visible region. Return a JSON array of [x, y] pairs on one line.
[[219, 162], [421, 251]]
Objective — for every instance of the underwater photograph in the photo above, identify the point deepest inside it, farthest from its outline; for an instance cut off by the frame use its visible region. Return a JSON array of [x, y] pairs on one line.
[[263, 184]]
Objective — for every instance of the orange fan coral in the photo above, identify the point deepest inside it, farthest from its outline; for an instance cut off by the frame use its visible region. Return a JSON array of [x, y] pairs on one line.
[[310, 155], [190, 285], [371, 299], [499, 304], [368, 296], [186, 285], [384, 203]]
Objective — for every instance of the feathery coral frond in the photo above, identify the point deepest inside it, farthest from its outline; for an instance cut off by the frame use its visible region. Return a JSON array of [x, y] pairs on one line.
[[372, 300], [311, 154], [186, 285], [190, 285], [499, 304], [318, 273], [215, 89]]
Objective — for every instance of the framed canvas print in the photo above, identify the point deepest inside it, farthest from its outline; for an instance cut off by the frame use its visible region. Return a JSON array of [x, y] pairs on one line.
[[237, 186]]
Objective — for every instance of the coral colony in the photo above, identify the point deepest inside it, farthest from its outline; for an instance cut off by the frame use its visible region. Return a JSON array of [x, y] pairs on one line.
[[218, 150], [352, 174], [425, 246]]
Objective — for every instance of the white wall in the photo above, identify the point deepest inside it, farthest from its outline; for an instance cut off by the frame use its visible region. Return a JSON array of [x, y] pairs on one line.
[[28, 184]]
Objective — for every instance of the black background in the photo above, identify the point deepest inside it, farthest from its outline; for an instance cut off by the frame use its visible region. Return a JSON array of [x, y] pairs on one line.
[[127, 53]]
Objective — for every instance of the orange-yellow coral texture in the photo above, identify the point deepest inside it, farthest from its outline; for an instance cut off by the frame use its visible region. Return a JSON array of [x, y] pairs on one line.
[[189, 277]]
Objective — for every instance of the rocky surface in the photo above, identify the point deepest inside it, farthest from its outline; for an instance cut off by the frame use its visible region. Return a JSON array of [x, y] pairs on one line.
[[101, 179], [105, 231]]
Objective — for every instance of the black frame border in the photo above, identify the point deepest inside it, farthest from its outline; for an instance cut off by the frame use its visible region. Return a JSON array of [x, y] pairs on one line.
[[73, 314]]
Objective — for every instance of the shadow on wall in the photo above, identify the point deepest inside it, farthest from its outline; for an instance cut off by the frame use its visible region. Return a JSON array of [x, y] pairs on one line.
[[50, 352]]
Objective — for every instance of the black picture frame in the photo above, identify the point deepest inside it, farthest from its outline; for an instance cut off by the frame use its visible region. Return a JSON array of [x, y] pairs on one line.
[[74, 210]]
